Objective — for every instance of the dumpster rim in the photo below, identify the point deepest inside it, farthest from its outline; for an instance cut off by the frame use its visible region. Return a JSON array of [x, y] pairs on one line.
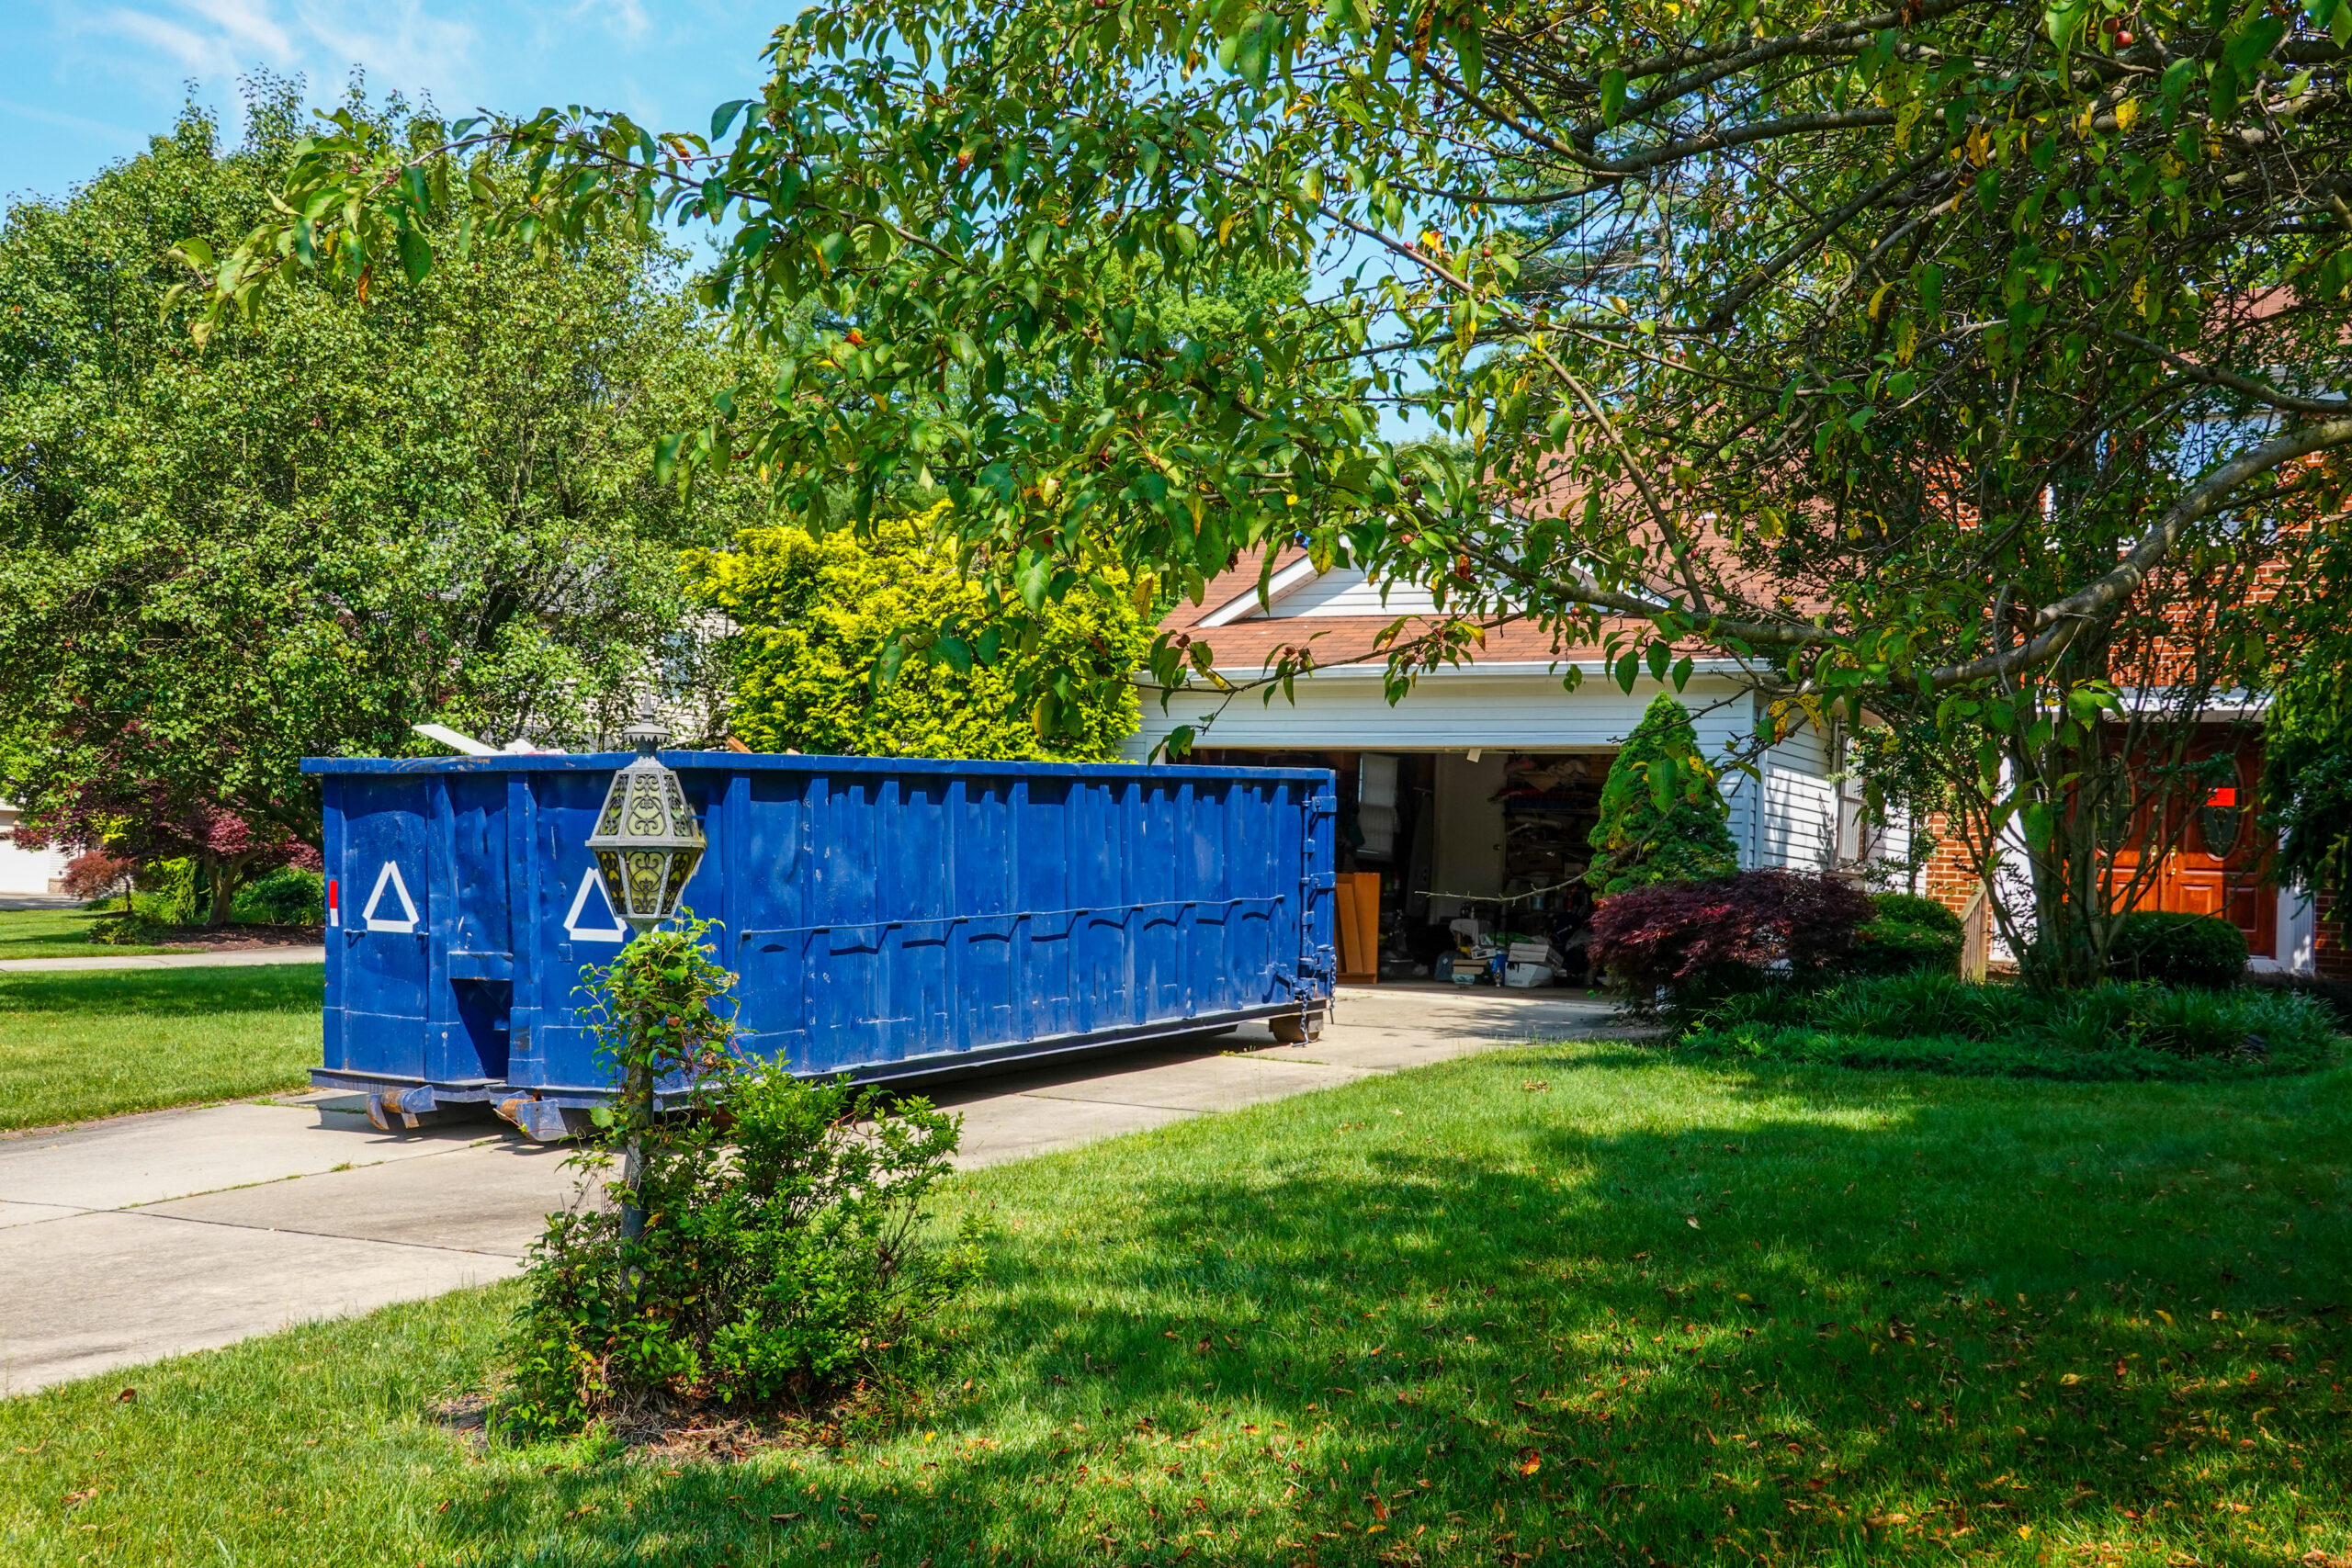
[[763, 762]]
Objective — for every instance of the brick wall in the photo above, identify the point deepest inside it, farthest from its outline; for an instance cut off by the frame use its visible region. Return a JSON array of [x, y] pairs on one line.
[[2333, 949], [1950, 876]]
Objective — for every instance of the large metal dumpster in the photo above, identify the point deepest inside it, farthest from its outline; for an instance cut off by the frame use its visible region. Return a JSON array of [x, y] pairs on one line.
[[887, 917]]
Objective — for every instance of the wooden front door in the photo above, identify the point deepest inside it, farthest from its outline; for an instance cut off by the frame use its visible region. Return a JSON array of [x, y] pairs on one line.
[[2218, 859]]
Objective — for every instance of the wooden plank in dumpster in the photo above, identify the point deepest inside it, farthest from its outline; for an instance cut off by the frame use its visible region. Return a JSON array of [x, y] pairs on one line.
[[887, 917]]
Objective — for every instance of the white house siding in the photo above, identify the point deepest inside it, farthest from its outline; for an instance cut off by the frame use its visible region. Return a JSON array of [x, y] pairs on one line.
[[1800, 821], [1507, 710], [24, 870]]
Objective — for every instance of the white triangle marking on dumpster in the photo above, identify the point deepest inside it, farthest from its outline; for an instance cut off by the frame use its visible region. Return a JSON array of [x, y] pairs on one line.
[[390, 877], [580, 907]]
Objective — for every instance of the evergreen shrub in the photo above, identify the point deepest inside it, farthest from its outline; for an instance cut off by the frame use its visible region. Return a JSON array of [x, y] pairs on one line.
[[820, 664], [1662, 817]]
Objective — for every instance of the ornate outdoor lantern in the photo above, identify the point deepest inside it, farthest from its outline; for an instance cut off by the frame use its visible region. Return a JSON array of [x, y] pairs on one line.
[[647, 843]]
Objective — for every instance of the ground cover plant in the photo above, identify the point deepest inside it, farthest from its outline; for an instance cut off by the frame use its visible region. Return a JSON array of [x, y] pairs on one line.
[[1936, 1023], [57, 933], [1564, 1303], [79, 1045]]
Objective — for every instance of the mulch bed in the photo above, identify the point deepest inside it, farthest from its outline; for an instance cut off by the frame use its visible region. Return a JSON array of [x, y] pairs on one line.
[[231, 939]]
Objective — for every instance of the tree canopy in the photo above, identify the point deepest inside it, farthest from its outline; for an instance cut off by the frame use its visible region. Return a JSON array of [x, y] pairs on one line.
[[298, 541], [1919, 358]]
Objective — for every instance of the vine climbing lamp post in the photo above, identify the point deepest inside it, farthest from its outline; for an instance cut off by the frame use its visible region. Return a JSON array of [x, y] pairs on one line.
[[647, 844]]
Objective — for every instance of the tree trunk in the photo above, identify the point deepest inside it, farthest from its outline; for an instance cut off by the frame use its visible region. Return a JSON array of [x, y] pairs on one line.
[[224, 892]]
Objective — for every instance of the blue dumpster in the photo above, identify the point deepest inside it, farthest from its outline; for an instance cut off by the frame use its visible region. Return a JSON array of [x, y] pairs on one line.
[[888, 918]]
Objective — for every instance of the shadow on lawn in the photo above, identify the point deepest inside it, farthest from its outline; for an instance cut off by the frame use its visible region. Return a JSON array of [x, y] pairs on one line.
[[1981, 1322]]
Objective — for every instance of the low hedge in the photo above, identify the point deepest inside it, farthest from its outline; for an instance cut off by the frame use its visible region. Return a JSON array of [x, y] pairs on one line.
[[1938, 1023]]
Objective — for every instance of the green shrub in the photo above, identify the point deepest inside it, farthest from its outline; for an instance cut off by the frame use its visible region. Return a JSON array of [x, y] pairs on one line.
[[782, 1255], [2178, 948], [1889, 947], [166, 894], [130, 930], [286, 896], [1905, 935], [1913, 909], [1939, 1023], [1662, 818]]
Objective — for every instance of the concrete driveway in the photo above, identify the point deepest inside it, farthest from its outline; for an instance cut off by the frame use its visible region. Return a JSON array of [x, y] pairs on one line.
[[145, 1236]]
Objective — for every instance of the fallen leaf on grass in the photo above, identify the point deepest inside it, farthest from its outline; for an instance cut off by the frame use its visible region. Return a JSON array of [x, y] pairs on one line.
[[782, 1518], [75, 1499], [127, 1397], [1529, 1462], [1880, 1521], [1691, 1219]]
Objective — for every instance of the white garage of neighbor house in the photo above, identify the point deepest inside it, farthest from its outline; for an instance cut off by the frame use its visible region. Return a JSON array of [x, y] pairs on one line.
[[26, 870], [1480, 785]]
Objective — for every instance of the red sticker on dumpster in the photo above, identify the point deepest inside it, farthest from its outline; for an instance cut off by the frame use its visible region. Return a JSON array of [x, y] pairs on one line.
[[334, 903]]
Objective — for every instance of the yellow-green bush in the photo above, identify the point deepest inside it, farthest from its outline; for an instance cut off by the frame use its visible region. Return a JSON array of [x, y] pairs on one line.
[[818, 616]]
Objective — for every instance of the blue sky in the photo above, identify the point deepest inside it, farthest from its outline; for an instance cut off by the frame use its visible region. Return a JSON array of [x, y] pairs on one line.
[[83, 83]]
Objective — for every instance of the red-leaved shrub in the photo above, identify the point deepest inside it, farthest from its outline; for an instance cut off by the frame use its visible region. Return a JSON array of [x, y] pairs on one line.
[[1687, 943], [97, 874]]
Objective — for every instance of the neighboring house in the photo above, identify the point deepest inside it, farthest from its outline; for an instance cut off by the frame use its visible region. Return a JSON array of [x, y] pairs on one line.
[[1481, 785], [26, 870]]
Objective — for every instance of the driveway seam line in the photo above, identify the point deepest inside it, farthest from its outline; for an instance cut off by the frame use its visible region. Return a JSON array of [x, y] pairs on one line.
[[319, 1236]]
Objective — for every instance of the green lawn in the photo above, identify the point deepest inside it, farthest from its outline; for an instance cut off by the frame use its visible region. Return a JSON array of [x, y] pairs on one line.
[[1565, 1304], [85, 1043], [57, 933]]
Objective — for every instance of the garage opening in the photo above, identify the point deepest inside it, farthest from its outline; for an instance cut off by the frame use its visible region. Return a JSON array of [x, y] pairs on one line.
[[1477, 853]]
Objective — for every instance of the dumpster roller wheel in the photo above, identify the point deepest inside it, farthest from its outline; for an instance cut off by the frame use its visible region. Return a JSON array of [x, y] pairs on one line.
[[543, 1123], [1297, 1028]]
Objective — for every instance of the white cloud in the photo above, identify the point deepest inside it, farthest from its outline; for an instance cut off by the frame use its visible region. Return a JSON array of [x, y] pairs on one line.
[[625, 19], [411, 45]]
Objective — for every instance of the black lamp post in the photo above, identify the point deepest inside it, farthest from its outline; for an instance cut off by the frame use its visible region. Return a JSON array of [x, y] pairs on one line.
[[646, 843]]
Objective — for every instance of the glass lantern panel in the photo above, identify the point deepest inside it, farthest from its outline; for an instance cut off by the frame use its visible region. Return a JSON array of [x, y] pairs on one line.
[[682, 866], [609, 870], [646, 818], [647, 870], [609, 822]]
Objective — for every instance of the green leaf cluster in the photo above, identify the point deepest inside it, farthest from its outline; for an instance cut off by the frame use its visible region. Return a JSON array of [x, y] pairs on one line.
[[2307, 771], [880, 646], [1662, 817]]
